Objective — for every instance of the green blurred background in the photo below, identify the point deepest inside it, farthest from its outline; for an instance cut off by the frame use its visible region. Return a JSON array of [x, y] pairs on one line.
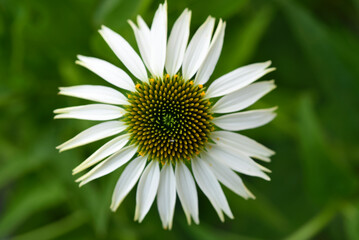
[[314, 44]]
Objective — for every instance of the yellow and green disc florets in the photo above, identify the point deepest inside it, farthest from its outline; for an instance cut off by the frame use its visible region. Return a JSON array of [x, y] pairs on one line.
[[169, 118]]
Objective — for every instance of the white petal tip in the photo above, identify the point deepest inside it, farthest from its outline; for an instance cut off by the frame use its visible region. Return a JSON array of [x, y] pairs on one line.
[[267, 178], [80, 179], [78, 169], [81, 57], [132, 24], [273, 84], [252, 196], [62, 148], [268, 63], [264, 169], [79, 62], [268, 70], [263, 158], [188, 218], [135, 218], [189, 12], [273, 108]]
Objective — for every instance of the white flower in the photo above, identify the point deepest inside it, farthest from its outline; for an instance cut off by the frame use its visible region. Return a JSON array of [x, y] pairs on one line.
[[169, 123]]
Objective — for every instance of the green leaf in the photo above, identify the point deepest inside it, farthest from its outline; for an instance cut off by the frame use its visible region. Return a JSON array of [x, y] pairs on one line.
[[313, 226], [23, 161], [219, 9], [102, 210], [241, 43], [316, 41], [336, 79], [29, 200], [206, 232], [116, 12], [325, 177], [351, 220], [55, 229]]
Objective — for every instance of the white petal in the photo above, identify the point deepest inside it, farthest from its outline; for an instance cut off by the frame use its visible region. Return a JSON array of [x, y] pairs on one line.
[[237, 79], [159, 39], [210, 187], [146, 190], [166, 196], [125, 53], [95, 93], [143, 39], [177, 43], [106, 150], [107, 71], [241, 143], [96, 112], [245, 120], [264, 169], [92, 134], [243, 98], [236, 160], [127, 181], [109, 165], [197, 49], [187, 192], [226, 176], [209, 63]]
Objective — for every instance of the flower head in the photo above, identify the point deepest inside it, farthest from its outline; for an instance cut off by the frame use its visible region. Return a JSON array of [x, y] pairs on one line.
[[170, 123]]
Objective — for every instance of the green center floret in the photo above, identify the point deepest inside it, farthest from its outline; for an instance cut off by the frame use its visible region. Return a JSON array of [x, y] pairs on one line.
[[169, 118]]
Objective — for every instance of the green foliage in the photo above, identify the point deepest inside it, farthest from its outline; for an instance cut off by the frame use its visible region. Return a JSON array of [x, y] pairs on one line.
[[314, 189]]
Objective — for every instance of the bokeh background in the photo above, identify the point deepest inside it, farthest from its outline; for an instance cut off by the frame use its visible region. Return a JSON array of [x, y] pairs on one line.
[[313, 194]]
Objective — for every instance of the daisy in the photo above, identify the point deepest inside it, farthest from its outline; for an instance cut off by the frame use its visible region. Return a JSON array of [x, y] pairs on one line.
[[171, 128]]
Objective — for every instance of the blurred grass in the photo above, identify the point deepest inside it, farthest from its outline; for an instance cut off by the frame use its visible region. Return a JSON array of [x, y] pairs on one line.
[[314, 189]]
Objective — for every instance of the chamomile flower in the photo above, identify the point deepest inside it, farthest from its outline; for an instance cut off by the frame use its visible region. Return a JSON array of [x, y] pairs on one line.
[[171, 129]]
